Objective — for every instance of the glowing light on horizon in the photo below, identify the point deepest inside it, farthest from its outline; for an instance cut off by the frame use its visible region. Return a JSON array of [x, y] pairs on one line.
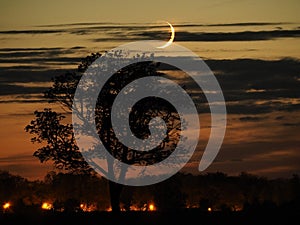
[[151, 207], [6, 205], [46, 206], [87, 208]]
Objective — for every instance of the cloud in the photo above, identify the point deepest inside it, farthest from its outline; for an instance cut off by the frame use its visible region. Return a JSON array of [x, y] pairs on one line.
[[13, 158], [9, 89], [31, 31], [251, 86], [134, 31], [34, 55], [28, 74], [44, 59], [251, 118], [184, 36], [291, 124], [132, 25], [221, 36], [263, 147]]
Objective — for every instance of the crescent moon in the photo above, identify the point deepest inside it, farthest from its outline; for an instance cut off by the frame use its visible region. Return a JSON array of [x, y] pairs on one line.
[[171, 38]]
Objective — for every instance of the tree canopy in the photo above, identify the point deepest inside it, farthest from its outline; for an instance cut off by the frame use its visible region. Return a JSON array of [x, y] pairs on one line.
[[57, 136]]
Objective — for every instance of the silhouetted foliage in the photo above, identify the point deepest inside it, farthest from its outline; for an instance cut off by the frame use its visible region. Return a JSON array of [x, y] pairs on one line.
[[169, 195], [60, 146], [67, 192], [49, 128]]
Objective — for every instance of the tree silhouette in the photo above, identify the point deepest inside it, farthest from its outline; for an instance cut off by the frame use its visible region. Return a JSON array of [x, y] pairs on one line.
[[48, 126], [60, 144]]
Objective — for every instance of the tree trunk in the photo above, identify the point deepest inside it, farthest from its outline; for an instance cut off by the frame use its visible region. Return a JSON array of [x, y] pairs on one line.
[[115, 190]]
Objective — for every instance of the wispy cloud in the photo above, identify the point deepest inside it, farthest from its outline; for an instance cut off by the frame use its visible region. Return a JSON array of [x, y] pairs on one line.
[[133, 32], [244, 81], [279, 80], [151, 25], [221, 36]]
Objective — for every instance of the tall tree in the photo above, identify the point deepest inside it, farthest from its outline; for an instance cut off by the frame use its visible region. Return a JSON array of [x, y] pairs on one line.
[[48, 126]]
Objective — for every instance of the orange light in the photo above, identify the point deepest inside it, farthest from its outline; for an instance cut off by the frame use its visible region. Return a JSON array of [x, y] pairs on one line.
[[134, 208], [83, 207], [151, 207], [209, 209], [46, 206], [6, 205]]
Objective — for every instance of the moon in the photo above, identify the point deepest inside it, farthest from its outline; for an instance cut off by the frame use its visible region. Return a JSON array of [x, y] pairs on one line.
[[171, 38]]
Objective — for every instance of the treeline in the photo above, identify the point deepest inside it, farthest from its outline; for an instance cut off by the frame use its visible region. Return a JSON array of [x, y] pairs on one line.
[[211, 191]]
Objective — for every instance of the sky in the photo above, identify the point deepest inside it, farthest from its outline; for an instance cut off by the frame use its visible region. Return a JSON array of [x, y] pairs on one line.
[[19, 13], [253, 47]]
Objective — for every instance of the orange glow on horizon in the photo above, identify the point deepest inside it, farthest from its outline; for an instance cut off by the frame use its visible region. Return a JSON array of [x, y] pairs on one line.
[[46, 206], [151, 207], [87, 208], [6, 205]]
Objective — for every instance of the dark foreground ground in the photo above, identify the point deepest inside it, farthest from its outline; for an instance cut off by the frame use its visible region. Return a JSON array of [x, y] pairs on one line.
[[186, 217]]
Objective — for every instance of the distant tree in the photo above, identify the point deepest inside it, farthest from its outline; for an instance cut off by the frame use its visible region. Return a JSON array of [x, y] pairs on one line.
[[49, 128], [295, 182], [168, 194], [251, 187], [10, 185], [81, 188]]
